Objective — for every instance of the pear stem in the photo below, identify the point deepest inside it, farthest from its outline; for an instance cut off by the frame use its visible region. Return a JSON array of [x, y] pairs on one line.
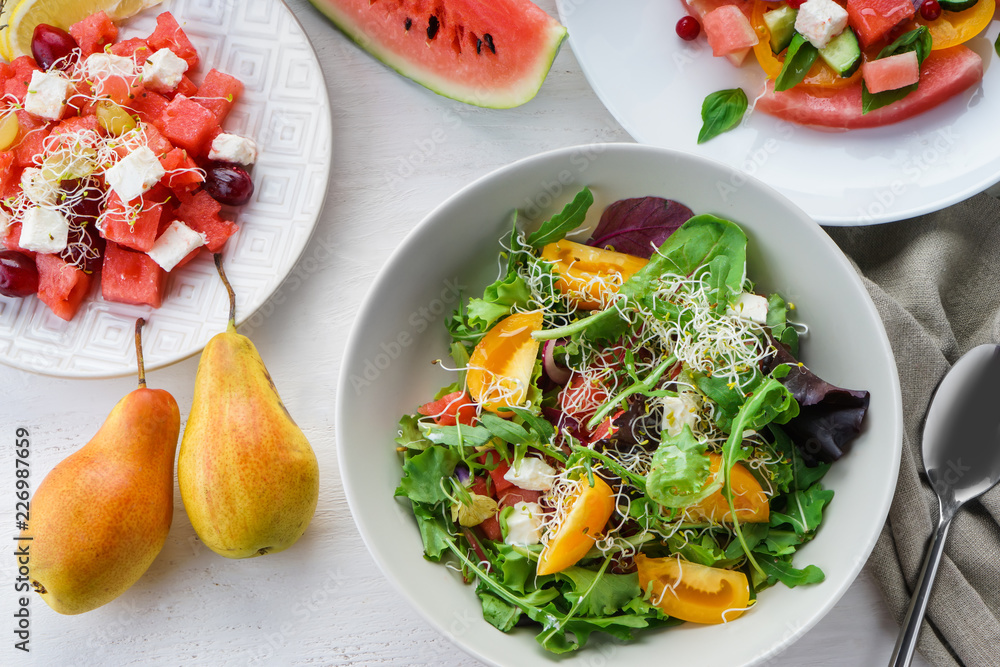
[[229, 289], [138, 352]]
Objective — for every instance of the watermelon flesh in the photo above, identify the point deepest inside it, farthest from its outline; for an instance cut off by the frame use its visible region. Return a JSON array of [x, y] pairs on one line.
[[898, 71], [943, 74], [728, 31], [491, 54], [873, 20]]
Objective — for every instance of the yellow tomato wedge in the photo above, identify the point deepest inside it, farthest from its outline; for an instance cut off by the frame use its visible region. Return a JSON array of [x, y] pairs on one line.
[[953, 28], [500, 367], [590, 509], [748, 497], [693, 592], [588, 275], [820, 74]]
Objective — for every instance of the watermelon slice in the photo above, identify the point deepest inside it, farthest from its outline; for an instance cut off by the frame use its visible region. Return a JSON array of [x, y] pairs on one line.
[[491, 54], [943, 74], [873, 20]]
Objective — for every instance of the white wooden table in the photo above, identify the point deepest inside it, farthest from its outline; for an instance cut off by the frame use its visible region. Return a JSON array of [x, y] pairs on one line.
[[399, 150]]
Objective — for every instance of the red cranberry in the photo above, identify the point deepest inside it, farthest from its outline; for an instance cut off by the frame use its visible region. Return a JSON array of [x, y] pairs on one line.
[[688, 28], [930, 10], [51, 45]]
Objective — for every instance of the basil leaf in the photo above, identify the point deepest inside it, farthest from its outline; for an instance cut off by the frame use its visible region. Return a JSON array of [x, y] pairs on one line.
[[798, 59], [721, 111], [565, 221], [996, 46], [918, 40]]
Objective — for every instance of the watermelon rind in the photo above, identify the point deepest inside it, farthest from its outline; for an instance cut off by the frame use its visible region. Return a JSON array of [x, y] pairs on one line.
[[506, 96]]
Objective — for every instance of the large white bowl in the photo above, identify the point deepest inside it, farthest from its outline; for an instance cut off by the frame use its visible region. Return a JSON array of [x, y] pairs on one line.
[[400, 331]]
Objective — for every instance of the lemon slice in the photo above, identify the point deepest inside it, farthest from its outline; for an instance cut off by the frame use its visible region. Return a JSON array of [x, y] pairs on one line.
[[15, 36]]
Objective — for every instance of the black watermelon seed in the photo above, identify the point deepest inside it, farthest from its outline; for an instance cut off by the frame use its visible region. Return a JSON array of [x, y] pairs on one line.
[[479, 46], [432, 27], [488, 38], [408, 23]]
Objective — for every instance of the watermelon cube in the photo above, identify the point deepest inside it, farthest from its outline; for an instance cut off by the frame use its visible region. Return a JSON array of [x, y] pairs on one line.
[[149, 105], [132, 277], [182, 172], [31, 138], [19, 78], [10, 175], [135, 48], [75, 124], [728, 30], [186, 87], [94, 32], [892, 72], [873, 20], [218, 92], [156, 142], [132, 226], [201, 213], [168, 35], [187, 124], [61, 286], [13, 239]]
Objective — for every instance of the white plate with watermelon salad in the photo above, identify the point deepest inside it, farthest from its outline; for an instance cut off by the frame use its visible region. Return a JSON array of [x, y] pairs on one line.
[[148, 137], [654, 82]]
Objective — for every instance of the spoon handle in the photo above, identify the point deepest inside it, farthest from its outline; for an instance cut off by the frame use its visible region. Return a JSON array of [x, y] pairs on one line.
[[906, 643]]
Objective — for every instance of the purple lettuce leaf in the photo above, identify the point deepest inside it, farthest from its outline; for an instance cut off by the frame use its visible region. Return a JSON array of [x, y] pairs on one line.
[[638, 226], [829, 418]]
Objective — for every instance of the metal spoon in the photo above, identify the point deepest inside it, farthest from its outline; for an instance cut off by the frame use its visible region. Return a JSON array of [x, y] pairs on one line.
[[961, 450]]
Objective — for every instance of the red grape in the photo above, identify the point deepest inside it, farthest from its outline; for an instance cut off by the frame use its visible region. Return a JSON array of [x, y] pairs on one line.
[[228, 184], [51, 45], [18, 275], [86, 246]]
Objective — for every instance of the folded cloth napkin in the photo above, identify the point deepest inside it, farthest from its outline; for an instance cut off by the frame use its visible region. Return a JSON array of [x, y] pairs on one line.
[[935, 280]]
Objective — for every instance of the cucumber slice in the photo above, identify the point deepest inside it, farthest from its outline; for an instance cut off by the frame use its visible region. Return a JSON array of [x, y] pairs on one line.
[[957, 5], [781, 24], [843, 53]]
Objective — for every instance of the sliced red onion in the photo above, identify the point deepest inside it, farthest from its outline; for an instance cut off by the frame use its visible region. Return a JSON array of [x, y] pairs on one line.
[[556, 373]]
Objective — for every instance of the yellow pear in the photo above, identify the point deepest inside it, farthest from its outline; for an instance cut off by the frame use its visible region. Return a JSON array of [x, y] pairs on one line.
[[101, 516], [248, 477]]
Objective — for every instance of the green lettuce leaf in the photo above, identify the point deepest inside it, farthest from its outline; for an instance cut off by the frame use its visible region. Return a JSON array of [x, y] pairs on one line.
[[678, 471], [422, 475]]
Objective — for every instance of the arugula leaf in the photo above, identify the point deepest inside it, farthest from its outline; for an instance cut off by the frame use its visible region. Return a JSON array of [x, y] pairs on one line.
[[919, 40], [499, 613], [541, 427], [782, 542], [705, 551], [505, 430], [784, 572], [457, 436], [410, 435], [721, 111], [422, 475], [517, 569], [804, 509], [799, 57], [599, 594], [678, 471], [571, 217]]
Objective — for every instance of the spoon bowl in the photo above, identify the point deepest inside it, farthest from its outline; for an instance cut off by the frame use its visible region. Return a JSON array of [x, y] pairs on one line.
[[961, 452]]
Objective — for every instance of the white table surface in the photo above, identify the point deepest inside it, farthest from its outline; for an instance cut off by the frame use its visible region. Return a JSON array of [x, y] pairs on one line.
[[399, 150]]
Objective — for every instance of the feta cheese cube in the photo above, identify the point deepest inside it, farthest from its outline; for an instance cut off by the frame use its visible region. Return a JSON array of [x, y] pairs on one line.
[[44, 230], [135, 174], [47, 95], [531, 474], [751, 307], [38, 189], [163, 70], [819, 21], [102, 65], [678, 412], [524, 524], [174, 244], [233, 148]]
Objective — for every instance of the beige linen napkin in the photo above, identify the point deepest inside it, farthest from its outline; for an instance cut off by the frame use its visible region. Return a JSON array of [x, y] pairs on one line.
[[936, 283]]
